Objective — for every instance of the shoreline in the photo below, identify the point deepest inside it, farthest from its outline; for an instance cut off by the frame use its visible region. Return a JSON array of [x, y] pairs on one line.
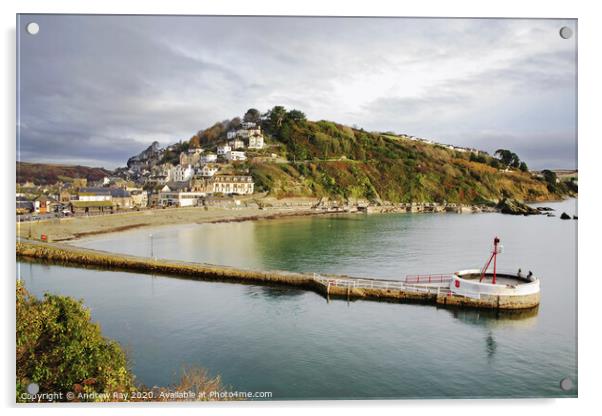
[[78, 228]]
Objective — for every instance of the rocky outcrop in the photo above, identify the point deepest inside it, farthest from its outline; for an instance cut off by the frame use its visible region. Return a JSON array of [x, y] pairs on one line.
[[514, 207], [147, 158]]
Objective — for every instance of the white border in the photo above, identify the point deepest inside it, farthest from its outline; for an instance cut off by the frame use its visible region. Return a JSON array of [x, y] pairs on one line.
[[589, 166]]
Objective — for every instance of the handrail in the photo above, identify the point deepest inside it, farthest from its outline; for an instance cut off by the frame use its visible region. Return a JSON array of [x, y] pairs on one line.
[[378, 284], [428, 278]]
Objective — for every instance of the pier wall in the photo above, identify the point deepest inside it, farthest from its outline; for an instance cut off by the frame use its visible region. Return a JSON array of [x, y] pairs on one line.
[[395, 291]]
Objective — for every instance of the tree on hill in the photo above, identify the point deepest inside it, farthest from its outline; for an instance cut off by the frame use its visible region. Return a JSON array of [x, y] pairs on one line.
[[551, 179], [511, 159], [252, 115], [296, 115], [194, 142], [234, 123], [276, 117]]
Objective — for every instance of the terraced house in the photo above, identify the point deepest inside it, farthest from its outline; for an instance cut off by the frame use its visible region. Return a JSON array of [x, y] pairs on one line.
[[232, 184]]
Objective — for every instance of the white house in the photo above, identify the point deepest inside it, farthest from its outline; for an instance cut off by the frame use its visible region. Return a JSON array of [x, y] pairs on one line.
[[181, 173], [179, 198], [236, 144], [94, 194], [247, 124], [256, 142], [223, 149], [208, 158], [235, 155], [208, 170], [231, 184], [231, 134], [246, 133]]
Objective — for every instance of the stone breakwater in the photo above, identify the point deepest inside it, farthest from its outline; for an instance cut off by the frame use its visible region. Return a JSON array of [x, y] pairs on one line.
[[328, 285]]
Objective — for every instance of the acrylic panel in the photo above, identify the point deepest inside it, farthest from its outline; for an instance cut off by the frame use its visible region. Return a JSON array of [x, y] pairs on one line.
[[295, 208]]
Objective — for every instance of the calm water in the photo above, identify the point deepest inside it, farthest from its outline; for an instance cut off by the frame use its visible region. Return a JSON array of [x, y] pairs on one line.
[[297, 345]]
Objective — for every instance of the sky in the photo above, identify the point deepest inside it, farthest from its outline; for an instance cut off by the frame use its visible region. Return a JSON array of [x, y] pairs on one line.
[[95, 90]]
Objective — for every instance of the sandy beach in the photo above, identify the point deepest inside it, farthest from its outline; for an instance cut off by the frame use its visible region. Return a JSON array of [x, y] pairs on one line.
[[64, 229]]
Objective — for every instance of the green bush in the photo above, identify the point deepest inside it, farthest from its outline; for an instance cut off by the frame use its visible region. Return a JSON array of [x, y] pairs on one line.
[[60, 349]]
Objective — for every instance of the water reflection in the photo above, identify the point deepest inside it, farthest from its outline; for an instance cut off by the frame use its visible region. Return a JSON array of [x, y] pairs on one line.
[[490, 346], [523, 318], [274, 292]]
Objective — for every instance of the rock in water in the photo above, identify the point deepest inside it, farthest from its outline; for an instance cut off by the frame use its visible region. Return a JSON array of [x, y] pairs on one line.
[[565, 216], [514, 207], [574, 217]]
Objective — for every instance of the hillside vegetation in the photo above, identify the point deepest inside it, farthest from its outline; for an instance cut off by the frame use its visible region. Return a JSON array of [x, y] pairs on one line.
[[326, 159], [47, 173]]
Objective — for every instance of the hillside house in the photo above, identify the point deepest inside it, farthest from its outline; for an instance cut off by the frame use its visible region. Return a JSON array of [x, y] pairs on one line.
[[256, 142], [208, 158], [232, 184], [231, 134], [236, 144], [181, 173], [235, 155], [223, 149], [248, 125], [190, 158], [246, 133], [208, 170]]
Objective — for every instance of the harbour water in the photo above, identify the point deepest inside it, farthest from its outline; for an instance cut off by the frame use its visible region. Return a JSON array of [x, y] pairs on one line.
[[297, 345]]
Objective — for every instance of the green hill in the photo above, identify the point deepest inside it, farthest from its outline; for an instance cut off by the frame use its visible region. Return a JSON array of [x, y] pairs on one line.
[[48, 173], [327, 159]]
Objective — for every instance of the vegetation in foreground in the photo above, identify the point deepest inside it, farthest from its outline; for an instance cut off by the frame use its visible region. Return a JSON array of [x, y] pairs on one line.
[[63, 352]]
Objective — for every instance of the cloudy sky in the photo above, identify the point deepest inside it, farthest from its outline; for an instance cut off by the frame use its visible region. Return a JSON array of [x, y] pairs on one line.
[[95, 90]]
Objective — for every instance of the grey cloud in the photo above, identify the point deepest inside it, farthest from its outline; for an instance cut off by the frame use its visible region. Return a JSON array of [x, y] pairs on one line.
[[101, 88]]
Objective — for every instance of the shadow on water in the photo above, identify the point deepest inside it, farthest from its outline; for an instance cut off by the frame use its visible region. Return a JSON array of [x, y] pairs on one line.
[[275, 292]]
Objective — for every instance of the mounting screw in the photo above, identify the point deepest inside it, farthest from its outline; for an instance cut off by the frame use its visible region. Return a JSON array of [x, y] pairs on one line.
[[566, 32], [32, 28]]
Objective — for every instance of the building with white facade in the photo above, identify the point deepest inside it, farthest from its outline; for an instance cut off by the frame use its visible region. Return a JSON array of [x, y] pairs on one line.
[[246, 133], [256, 142], [222, 149], [94, 194], [181, 173], [180, 198], [235, 155], [208, 170], [236, 144], [208, 158], [232, 184], [231, 134]]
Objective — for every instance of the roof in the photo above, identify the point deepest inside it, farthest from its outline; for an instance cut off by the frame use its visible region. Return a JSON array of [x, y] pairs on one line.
[[177, 186], [94, 191], [87, 204], [119, 193]]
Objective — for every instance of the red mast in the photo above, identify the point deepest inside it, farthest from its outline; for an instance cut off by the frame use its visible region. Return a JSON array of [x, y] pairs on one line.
[[493, 257]]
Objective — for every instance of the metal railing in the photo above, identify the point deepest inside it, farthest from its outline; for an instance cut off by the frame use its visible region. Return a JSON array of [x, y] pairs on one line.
[[428, 278], [379, 284]]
